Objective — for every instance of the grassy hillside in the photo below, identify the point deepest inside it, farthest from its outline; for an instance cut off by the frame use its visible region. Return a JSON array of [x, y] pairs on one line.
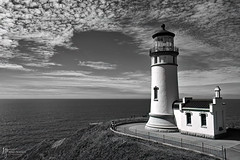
[[98, 142]]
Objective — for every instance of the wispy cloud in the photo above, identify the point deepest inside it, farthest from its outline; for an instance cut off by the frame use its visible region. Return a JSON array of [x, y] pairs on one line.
[[68, 73], [79, 84], [205, 77], [98, 65], [43, 64], [13, 67], [206, 32], [228, 90], [50, 23], [54, 23]]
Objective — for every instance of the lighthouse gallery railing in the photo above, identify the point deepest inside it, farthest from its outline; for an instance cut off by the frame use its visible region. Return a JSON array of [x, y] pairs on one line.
[[164, 48]]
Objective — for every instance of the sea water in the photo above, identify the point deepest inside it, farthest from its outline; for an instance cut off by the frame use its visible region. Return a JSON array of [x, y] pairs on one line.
[[26, 122]]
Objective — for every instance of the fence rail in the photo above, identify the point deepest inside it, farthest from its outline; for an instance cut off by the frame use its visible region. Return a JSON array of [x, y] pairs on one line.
[[219, 152]]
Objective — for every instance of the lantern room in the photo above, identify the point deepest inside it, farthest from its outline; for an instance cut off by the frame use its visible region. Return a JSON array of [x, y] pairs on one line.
[[164, 50]]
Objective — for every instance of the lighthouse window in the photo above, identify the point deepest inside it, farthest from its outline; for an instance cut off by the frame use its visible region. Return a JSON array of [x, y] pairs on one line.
[[155, 59], [174, 60], [155, 93], [156, 45], [189, 120], [203, 120]]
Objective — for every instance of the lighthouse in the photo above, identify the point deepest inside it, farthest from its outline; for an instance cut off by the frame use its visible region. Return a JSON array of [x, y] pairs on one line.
[[164, 82]]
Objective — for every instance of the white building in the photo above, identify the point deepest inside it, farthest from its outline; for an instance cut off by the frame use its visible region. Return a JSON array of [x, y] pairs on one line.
[[201, 117], [204, 118]]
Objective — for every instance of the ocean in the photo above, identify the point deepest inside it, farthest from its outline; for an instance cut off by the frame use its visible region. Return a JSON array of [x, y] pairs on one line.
[[26, 122]]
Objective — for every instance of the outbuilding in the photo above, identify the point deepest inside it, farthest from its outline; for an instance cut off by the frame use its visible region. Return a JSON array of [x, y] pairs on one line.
[[201, 117]]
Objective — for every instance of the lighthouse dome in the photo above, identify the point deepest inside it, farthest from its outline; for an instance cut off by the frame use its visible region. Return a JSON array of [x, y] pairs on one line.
[[163, 32]]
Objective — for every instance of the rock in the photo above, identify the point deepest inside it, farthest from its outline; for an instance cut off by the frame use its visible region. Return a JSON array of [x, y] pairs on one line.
[[58, 143]]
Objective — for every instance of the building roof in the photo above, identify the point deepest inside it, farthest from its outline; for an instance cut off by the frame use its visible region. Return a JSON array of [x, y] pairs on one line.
[[163, 32], [198, 103], [194, 103]]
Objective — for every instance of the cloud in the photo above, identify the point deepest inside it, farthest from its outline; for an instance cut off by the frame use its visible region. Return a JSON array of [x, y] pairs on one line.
[[98, 65], [74, 84], [204, 77], [33, 54], [228, 91], [13, 67], [43, 64], [217, 24], [68, 73], [206, 32], [128, 82], [50, 23], [54, 22], [6, 53]]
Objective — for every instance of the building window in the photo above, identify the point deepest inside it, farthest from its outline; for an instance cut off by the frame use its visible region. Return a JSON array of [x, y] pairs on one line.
[[155, 93], [189, 120], [203, 120]]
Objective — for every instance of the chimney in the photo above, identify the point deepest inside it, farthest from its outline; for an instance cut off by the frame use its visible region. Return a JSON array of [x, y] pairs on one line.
[[217, 92]]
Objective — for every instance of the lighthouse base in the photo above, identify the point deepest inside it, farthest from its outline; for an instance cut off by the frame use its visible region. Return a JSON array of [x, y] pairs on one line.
[[161, 123]]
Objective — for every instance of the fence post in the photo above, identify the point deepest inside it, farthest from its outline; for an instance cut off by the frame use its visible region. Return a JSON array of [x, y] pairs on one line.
[[225, 153], [181, 142], [202, 147]]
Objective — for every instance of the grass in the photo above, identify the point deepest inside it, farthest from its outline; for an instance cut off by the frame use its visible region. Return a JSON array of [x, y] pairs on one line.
[[99, 143]]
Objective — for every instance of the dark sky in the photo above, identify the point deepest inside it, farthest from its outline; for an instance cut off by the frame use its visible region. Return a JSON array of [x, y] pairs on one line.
[[99, 49]]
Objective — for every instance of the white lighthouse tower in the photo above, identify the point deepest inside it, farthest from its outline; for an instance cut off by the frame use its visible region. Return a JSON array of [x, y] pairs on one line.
[[164, 82]]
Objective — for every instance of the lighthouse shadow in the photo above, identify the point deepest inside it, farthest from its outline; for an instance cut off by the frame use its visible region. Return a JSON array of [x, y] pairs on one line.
[[232, 134]]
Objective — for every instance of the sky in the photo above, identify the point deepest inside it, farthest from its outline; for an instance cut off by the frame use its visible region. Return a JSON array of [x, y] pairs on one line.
[[100, 48]]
